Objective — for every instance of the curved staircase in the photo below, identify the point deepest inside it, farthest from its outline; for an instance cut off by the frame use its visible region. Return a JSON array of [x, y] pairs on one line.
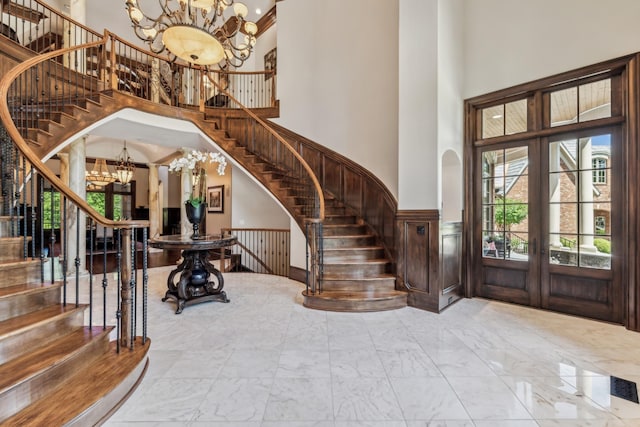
[[357, 274], [54, 370]]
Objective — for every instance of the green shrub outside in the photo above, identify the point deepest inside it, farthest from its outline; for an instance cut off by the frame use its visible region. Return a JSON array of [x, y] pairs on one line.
[[602, 245]]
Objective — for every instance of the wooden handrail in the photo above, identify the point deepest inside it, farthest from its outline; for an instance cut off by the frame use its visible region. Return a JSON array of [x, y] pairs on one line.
[[68, 19], [327, 152], [12, 130], [284, 142]]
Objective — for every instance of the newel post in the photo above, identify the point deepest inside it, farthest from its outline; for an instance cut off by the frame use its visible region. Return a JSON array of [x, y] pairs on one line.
[[314, 258], [125, 289]]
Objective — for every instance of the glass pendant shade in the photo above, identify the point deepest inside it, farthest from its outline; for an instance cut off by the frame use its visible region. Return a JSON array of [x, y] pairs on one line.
[[100, 175]]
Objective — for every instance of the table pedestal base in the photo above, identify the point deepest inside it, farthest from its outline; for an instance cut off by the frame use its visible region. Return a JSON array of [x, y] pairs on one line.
[[194, 285]]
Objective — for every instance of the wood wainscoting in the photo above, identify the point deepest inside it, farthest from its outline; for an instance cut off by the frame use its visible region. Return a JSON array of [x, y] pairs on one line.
[[429, 259]]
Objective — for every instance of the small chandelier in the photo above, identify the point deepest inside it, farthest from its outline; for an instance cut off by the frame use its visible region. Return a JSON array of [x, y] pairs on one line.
[[124, 166], [202, 32], [100, 175]]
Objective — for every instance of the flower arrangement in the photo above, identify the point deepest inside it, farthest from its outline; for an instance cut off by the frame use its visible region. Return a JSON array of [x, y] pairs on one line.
[[196, 162]]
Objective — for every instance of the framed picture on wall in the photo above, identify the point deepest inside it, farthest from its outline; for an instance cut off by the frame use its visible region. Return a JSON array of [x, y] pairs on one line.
[[215, 196], [270, 63]]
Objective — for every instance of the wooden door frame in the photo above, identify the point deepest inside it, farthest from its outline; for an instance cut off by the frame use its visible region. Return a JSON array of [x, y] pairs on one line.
[[628, 93], [533, 264]]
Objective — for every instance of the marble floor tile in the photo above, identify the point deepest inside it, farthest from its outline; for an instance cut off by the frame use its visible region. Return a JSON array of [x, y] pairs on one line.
[[356, 364], [408, 363], [552, 398], [428, 399], [598, 389], [365, 399], [264, 360], [251, 364], [488, 398], [235, 399], [300, 399], [304, 364]]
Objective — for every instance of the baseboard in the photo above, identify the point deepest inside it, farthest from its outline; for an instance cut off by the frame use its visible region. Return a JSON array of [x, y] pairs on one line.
[[298, 274]]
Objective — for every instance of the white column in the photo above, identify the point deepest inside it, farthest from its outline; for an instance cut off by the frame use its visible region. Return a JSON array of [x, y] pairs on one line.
[[554, 196], [75, 171], [74, 35], [586, 198], [154, 208]]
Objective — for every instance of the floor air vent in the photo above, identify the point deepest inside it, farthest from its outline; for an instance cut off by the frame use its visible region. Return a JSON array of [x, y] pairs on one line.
[[624, 389]]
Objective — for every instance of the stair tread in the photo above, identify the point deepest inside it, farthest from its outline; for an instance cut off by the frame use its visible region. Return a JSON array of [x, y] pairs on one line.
[[358, 248], [27, 288], [358, 262], [335, 277], [347, 236], [20, 369], [358, 295], [78, 394], [16, 324], [18, 263], [39, 130]]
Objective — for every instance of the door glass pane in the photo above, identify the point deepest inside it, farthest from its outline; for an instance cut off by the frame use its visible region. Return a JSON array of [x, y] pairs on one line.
[[493, 121], [564, 107], [595, 100], [582, 103], [516, 117], [579, 202], [505, 201]]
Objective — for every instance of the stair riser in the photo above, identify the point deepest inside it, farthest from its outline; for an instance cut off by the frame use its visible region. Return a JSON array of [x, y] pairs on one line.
[[10, 250], [17, 274], [25, 393], [347, 242], [355, 306], [352, 255], [17, 305], [347, 229], [360, 270], [5, 229], [343, 219], [335, 210], [63, 119], [14, 345], [356, 285]]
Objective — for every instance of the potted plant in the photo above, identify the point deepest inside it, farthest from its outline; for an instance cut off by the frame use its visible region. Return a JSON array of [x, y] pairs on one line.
[[194, 163]]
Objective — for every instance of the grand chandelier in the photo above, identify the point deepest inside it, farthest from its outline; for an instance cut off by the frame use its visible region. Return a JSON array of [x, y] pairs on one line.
[[100, 175], [124, 166], [203, 32]]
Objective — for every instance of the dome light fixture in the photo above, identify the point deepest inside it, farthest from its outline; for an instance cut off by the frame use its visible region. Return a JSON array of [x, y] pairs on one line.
[[201, 32]]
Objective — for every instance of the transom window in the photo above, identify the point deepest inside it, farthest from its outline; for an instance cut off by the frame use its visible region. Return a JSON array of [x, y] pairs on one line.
[[504, 119], [581, 103]]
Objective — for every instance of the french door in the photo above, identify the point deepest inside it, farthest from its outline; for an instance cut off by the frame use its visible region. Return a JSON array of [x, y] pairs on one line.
[[548, 223]]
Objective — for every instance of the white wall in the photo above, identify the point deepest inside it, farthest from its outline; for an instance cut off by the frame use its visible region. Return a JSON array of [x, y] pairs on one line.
[[450, 108], [418, 128], [267, 41], [511, 42], [338, 78], [253, 207], [216, 221]]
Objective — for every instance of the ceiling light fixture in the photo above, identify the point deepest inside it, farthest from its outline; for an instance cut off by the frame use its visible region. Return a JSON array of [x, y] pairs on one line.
[[124, 166], [100, 175], [202, 32]]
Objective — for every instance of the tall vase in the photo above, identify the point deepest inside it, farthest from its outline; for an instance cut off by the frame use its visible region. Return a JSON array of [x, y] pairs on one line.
[[195, 215]]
